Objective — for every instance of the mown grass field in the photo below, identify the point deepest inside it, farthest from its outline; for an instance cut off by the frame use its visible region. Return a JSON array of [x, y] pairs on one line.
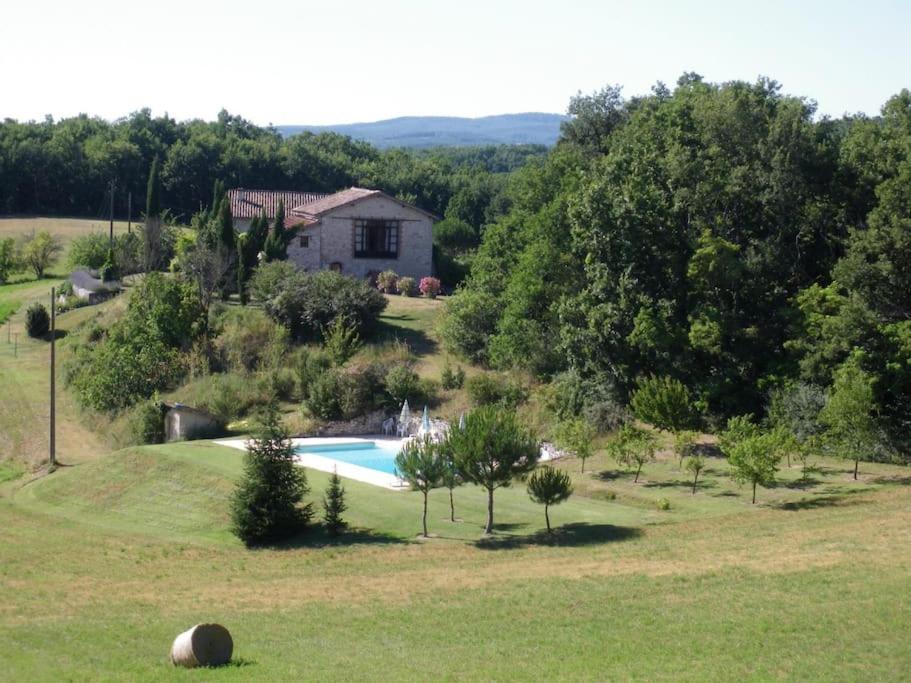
[[104, 561]]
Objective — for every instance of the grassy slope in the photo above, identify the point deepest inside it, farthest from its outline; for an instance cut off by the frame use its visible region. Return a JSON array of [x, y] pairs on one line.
[[109, 560]]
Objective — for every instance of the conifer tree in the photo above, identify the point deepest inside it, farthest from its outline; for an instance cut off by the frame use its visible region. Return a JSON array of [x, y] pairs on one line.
[[334, 505], [267, 504]]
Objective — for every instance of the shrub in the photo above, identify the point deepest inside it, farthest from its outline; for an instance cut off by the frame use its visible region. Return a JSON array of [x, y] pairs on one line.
[[269, 278], [356, 389], [452, 379], [402, 383], [88, 251], [430, 287], [279, 384], [341, 340], [37, 320], [469, 320], [386, 281], [594, 398], [109, 270], [251, 342], [306, 303], [488, 389], [406, 286], [663, 504], [228, 396], [663, 402], [312, 365], [323, 396], [9, 260], [147, 422]]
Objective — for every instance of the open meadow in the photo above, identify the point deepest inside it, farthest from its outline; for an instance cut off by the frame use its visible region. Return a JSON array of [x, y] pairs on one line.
[[108, 558]]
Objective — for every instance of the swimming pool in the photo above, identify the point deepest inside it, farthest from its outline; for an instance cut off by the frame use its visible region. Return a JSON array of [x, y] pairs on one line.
[[374, 455]]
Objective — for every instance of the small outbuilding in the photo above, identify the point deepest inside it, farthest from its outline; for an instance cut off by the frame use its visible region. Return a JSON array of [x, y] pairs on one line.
[[182, 423], [86, 285]]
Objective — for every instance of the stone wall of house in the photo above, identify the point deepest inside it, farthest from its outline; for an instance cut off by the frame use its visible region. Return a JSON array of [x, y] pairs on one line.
[[335, 241], [306, 257]]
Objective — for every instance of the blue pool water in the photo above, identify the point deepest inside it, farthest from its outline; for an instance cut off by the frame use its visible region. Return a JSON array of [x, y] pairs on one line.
[[373, 455]]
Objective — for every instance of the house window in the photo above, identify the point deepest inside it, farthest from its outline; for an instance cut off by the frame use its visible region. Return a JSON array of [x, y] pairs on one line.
[[376, 238], [304, 241]]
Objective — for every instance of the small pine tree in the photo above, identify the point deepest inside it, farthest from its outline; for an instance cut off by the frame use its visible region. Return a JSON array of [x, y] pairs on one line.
[[341, 340], [334, 505], [549, 486], [267, 504], [420, 465]]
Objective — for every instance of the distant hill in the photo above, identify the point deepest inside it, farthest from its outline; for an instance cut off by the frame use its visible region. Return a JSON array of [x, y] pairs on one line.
[[433, 131]]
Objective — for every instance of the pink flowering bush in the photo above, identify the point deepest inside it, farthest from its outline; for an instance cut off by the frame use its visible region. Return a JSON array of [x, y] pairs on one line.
[[430, 287]]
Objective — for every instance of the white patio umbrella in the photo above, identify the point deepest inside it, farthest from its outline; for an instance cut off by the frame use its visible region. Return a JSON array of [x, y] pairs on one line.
[[425, 422], [406, 413]]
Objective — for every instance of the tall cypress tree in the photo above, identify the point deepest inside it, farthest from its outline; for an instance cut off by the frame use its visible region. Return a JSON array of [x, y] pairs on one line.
[[151, 229], [275, 247]]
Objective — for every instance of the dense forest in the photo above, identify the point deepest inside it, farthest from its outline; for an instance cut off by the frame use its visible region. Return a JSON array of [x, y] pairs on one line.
[[720, 234], [65, 167]]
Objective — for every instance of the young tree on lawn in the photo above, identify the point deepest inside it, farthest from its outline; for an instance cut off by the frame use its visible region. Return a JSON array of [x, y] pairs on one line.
[[577, 435], [334, 505], [419, 463], [633, 446], [695, 464], [684, 445], [738, 428], [451, 477], [754, 460], [851, 429], [266, 506], [151, 225], [491, 450], [549, 486], [39, 252]]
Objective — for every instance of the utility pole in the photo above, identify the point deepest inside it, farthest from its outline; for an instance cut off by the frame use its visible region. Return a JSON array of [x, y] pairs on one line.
[[52, 456], [112, 184], [129, 213], [16, 345]]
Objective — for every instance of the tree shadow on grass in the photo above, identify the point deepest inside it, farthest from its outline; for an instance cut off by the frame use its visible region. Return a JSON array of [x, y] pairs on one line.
[[317, 537], [418, 340], [569, 535], [803, 483], [58, 335], [610, 475], [892, 481], [679, 483], [815, 503]]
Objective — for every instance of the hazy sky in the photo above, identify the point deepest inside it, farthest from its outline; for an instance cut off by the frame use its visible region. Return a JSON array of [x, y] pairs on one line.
[[287, 61]]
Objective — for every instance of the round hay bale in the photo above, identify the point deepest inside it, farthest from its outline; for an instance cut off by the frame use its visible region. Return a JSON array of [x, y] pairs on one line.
[[202, 645]]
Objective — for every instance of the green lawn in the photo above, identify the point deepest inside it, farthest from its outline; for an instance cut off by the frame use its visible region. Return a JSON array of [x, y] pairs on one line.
[[110, 559], [104, 561]]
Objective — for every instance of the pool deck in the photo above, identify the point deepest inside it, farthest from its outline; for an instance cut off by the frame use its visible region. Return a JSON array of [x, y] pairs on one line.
[[344, 469]]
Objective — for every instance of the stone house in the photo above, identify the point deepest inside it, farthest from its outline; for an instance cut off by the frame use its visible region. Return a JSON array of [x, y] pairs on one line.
[[359, 232]]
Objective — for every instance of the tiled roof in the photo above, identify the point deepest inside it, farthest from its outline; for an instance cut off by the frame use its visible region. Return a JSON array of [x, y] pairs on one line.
[[311, 212], [251, 203], [333, 201]]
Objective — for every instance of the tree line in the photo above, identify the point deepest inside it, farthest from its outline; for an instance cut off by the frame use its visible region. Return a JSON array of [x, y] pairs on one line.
[[719, 234], [64, 167]]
